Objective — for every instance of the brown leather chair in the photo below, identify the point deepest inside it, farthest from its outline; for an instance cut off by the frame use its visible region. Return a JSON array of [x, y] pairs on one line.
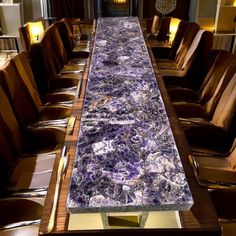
[[215, 168], [15, 212], [65, 65], [190, 59], [26, 35], [47, 71], [217, 133], [46, 138], [21, 174], [163, 35], [80, 52], [174, 83], [24, 69], [205, 100], [26, 105], [217, 173], [74, 26], [190, 32]]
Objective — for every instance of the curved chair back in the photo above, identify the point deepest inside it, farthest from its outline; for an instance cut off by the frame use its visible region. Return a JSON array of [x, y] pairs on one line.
[[177, 39], [21, 101], [215, 75], [43, 64], [9, 125], [66, 37], [30, 33], [191, 30], [225, 111], [24, 69], [54, 36]]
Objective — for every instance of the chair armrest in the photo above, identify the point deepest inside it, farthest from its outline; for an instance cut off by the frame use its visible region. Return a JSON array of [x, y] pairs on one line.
[[207, 183], [194, 122], [27, 193], [20, 224], [202, 134]]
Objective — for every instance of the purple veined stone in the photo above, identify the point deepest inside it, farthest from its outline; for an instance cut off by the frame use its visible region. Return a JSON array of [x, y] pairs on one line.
[[126, 155]]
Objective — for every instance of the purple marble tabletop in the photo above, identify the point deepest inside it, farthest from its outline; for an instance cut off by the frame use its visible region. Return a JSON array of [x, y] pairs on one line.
[[126, 158]]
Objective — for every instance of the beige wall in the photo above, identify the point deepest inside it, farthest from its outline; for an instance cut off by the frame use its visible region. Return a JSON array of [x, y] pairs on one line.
[[31, 9]]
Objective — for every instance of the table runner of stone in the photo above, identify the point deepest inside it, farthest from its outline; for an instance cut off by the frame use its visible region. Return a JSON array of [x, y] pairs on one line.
[[126, 158]]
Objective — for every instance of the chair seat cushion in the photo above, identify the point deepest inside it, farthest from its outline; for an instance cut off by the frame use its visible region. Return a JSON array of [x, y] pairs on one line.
[[17, 210], [216, 169]]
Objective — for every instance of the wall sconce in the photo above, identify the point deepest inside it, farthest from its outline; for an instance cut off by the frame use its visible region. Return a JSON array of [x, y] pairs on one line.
[[165, 6], [119, 1], [174, 23], [36, 30]]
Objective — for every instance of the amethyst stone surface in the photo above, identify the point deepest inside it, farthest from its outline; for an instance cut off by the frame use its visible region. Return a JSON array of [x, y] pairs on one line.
[[126, 157]]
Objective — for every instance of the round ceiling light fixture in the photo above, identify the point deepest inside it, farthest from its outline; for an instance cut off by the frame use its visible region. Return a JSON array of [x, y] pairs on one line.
[[164, 7]]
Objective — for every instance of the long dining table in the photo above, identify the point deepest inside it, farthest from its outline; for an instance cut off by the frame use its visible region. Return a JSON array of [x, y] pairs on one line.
[[128, 156]]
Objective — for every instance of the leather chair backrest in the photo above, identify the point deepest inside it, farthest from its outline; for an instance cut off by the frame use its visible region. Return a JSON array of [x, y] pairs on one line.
[[162, 26], [8, 154], [43, 64], [232, 156], [57, 44], [25, 38], [226, 108], [192, 50], [51, 56], [221, 85], [189, 35], [214, 76], [24, 69], [178, 38], [68, 25], [26, 34], [21, 101], [66, 37], [199, 61], [10, 128], [164, 23]]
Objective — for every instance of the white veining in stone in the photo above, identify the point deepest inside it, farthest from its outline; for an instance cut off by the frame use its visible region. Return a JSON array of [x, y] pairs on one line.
[[126, 157]]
